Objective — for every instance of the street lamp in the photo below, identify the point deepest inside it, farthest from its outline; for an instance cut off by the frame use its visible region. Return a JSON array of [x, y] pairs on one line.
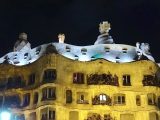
[[5, 115]]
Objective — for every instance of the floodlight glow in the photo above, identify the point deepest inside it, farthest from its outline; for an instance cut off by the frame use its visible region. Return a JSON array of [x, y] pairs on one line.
[[5, 116]]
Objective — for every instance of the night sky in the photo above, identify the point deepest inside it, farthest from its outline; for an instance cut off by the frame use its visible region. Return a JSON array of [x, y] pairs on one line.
[[131, 21]]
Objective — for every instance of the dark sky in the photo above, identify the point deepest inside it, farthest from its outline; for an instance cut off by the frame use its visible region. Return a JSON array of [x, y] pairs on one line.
[[131, 21]]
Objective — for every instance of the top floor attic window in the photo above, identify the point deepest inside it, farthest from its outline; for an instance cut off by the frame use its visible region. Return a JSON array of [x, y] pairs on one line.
[[124, 50], [68, 49], [84, 51], [107, 49]]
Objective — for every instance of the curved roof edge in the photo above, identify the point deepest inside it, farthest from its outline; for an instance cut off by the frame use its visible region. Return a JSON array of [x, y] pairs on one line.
[[118, 53]]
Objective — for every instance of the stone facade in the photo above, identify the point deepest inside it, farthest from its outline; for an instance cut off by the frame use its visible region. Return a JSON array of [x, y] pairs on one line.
[[57, 88]]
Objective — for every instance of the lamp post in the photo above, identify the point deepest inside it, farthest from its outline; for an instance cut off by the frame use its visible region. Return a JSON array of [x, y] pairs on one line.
[[5, 115]]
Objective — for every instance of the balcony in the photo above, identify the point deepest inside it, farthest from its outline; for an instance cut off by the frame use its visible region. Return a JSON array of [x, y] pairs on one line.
[[82, 102], [102, 79]]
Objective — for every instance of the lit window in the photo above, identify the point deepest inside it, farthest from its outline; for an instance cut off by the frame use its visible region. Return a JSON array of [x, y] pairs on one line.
[[82, 98], [103, 98], [78, 78], [126, 80], [119, 99]]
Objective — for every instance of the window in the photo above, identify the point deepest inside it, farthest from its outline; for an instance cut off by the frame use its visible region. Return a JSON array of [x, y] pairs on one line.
[[148, 80], [119, 99], [18, 80], [138, 100], [78, 78], [126, 80], [25, 55], [84, 51], [15, 82], [107, 48], [103, 98], [48, 114], [124, 50], [50, 74], [68, 49], [26, 99], [68, 96], [151, 98], [148, 77], [35, 97], [82, 98], [31, 79], [38, 50], [48, 93]]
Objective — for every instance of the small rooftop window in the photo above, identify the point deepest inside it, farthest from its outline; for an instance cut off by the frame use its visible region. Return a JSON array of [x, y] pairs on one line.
[[68, 49], [15, 56], [83, 50], [124, 50], [117, 59], [76, 57], [107, 49], [38, 50], [25, 55]]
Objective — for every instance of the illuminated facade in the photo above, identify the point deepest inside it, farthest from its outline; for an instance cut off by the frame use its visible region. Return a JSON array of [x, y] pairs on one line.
[[58, 81]]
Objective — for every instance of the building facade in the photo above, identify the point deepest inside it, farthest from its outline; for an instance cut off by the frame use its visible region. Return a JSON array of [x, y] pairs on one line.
[[58, 81]]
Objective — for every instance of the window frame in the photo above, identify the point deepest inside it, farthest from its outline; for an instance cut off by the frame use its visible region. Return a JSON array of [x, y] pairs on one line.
[[119, 99], [126, 80]]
